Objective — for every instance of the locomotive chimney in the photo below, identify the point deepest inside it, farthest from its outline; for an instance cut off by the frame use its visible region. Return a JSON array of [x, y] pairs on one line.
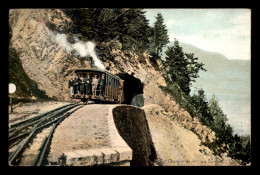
[[91, 62]]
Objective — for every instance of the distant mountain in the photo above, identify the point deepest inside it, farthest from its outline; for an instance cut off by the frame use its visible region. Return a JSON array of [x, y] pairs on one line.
[[229, 80], [214, 61], [217, 62]]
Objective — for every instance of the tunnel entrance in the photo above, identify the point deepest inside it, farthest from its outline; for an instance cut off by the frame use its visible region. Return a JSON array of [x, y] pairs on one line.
[[133, 89]]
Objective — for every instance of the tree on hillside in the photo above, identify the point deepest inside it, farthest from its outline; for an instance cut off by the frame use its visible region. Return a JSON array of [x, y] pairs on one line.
[[200, 103], [237, 147], [219, 126], [181, 67], [218, 115], [160, 36], [83, 23], [128, 26], [136, 26]]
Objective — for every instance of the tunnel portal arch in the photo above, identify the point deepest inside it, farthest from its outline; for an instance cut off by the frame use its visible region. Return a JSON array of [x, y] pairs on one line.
[[132, 87]]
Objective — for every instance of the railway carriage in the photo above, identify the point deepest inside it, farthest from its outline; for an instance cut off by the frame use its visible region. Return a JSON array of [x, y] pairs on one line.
[[113, 88]]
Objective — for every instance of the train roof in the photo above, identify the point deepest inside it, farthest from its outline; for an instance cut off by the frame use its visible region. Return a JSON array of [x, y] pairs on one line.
[[93, 70], [89, 70]]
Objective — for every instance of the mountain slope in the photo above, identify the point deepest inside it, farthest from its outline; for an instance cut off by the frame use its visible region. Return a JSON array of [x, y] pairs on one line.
[[229, 81], [178, 146], [43, 60]]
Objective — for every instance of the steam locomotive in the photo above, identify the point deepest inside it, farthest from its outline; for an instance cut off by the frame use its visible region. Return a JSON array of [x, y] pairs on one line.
[[114, 87]]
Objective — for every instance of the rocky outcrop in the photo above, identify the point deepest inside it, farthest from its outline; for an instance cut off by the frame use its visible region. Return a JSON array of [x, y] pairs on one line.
[[43, 59], [132, 125], [177, 145]]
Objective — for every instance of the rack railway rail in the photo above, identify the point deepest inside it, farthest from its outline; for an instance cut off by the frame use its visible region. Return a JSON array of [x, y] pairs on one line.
[[32, 137]]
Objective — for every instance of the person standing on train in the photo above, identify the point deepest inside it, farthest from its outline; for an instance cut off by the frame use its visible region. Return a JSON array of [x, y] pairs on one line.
[[81, 85], [78, 84], [94, 85], [75, 85], [102, 84], [71, 82], [88, 81]]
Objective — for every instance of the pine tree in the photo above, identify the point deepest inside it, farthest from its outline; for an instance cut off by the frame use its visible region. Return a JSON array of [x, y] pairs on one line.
[[181, 67], [83, 23], [219, 118], [199, 101], [160, 37], [128, 26]]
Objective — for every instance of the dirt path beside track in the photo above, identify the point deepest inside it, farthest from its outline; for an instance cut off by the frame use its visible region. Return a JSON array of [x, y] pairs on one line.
[[85, 129]]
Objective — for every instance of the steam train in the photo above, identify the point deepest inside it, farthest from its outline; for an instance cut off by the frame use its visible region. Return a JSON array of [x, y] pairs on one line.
[[114, 87]]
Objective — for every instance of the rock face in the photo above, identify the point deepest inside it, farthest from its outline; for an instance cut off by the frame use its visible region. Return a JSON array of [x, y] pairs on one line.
[[176, 145], [43, 59]]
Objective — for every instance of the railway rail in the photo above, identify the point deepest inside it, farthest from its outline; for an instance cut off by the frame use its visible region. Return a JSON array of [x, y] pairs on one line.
[[33, 136], [19, 130]]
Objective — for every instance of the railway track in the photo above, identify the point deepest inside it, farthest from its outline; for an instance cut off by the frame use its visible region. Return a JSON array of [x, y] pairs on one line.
[[29, 140]]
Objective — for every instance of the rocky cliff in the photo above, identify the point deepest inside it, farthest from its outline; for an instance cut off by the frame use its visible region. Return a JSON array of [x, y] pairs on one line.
[[50, 65], [43, 59]]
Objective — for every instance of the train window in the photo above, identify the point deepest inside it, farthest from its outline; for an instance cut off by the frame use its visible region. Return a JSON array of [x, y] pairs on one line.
[[113, 85], [109, 80], [116, 83], [113, 80], [106, 79]]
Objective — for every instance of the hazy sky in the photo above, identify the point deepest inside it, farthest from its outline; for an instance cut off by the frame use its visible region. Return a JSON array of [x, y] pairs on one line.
[[227, 31]]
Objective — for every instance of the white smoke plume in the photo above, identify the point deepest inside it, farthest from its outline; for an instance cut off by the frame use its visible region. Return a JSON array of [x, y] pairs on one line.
[[83, 48]]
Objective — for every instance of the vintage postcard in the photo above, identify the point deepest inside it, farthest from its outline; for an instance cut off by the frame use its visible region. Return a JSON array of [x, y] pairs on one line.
[[129, 87]]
